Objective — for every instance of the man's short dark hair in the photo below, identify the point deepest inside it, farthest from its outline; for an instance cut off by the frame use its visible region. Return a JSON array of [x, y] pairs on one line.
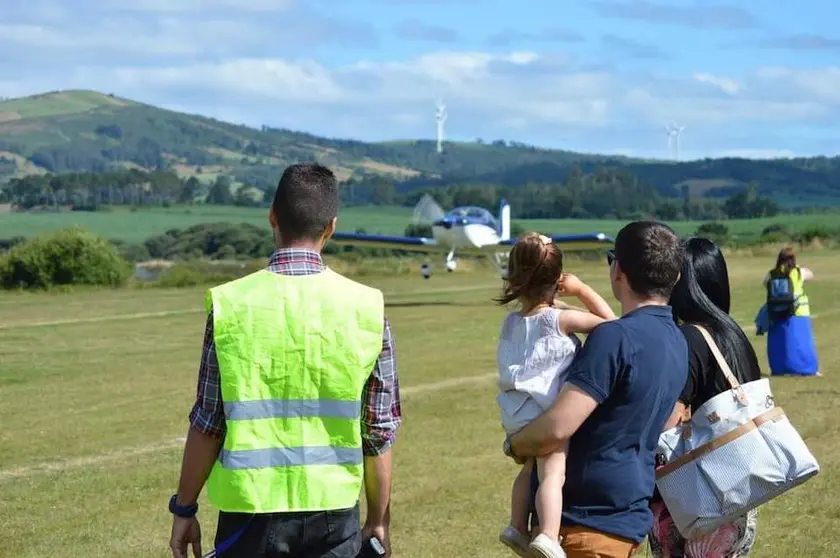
[[650, 255], [305, 202]]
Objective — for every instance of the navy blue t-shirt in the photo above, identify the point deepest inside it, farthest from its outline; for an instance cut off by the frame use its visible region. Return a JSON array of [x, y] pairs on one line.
[[635, 368]]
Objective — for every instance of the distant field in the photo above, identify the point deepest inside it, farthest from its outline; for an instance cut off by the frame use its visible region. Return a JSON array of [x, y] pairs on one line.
[[135, 226]]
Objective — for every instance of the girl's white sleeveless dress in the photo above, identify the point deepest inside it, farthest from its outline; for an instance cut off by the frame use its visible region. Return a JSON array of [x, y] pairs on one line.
[[532, 358]]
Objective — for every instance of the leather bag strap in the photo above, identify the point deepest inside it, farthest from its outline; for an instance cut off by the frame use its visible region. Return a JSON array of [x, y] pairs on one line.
[[739, 393]]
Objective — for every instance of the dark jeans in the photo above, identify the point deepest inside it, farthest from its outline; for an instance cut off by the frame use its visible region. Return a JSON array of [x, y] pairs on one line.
[[324, 534]]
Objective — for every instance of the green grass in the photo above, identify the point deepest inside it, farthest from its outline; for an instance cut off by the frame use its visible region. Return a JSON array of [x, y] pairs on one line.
[[95, 388], [136, 226]]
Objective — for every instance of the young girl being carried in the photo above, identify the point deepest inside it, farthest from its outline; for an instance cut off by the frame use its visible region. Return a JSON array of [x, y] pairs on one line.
[[535, 350]]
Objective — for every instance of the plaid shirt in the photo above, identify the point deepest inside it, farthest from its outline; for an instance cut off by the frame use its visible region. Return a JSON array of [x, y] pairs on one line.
[[381, 413]]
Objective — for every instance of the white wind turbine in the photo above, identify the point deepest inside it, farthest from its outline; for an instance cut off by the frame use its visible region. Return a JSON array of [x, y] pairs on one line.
[[440, 117], [674, 133]]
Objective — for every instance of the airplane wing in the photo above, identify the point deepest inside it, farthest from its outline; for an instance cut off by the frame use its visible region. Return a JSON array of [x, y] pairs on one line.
[[407, 243], [573, 242]]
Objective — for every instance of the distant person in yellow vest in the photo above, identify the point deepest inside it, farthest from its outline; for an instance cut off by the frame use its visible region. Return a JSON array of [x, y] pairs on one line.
[[790, 338], [298, 399]]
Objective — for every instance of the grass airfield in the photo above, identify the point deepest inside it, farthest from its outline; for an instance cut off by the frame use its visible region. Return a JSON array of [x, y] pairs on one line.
[[96, 386]]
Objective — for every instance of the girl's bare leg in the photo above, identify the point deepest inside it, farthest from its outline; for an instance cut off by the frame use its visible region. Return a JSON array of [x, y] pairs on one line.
[[552, 474], [520, 496]]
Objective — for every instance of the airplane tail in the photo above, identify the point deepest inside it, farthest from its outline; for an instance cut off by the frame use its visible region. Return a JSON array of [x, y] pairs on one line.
[[504, 220]]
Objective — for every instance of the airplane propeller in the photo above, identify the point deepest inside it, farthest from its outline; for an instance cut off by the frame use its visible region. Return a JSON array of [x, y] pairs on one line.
[[427, 211]]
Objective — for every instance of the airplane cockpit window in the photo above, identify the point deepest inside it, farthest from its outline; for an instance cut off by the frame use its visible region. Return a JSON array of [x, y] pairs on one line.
[[475, 214]]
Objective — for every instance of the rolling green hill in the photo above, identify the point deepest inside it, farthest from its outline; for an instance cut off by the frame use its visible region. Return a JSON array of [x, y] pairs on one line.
[[90, 131], [78, 131]]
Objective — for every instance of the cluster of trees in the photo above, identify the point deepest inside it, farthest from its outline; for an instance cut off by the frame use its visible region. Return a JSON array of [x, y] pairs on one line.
[[91, 191], [606, 193], [602, 194]]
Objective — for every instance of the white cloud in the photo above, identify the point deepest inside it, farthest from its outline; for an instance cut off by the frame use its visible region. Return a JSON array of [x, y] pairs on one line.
[[226, 58], [726, 85], [197, 5], [817, 84]]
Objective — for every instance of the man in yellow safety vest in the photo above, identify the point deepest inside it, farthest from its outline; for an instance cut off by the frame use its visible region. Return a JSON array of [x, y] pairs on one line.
[[298, 398]]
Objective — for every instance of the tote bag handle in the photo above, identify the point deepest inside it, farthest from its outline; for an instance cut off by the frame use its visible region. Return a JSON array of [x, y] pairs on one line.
[[738, 391]]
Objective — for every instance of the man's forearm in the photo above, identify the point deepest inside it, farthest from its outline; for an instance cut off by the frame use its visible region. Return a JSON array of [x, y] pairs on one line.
[[200, 453], [536, 439], [551, 429], [378, 488]]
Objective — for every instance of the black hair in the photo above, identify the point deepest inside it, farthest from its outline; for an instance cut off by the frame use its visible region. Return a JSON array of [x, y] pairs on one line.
[[702, 297], [649, 254], [305, 202]]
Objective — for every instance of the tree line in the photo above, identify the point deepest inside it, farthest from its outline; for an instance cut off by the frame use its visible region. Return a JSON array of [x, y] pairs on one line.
[[605, 193]]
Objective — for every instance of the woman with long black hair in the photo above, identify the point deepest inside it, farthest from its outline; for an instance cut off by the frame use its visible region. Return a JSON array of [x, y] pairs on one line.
[[702, 297]]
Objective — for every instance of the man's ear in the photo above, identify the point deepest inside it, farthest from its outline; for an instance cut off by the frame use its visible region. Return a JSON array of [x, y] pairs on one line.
[[617, 270], [272, 219], [329, 230]]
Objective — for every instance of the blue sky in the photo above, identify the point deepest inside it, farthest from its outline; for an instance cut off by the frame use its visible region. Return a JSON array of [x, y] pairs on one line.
[[756, 78]]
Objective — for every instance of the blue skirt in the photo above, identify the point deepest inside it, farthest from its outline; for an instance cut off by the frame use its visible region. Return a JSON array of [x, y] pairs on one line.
[[791, 348]]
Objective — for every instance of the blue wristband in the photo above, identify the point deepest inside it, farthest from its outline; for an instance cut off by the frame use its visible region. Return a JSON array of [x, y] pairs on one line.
[[182, 511]]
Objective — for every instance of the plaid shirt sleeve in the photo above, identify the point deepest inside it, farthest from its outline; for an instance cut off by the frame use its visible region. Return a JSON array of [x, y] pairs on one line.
[[207, 415], [381, 412]]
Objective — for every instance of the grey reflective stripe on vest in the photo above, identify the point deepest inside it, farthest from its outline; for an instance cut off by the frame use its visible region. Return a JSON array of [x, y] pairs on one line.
[[292, 408], [287, 457]]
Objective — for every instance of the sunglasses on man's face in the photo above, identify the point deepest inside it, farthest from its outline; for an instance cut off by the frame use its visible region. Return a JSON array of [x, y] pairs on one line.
[[610, 256]]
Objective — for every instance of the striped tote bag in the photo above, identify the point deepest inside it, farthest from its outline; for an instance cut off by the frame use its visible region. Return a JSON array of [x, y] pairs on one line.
[[732, 454]]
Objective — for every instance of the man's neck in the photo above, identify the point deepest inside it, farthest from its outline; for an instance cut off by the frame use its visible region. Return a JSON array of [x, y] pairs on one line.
[[634, 303], [313, 246]]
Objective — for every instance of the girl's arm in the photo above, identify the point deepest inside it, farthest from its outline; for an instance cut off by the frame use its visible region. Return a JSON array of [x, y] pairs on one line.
[[583, 322], [595, 303], [575, 321]]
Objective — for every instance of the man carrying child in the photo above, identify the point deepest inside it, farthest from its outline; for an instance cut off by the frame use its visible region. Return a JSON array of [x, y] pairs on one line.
[[618, 393]]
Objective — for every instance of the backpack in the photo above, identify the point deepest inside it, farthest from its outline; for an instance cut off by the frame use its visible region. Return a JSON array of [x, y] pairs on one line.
[[781, 301]]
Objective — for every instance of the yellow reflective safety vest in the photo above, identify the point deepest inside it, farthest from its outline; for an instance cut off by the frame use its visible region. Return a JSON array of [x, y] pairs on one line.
[[294, 354], [803, 307]]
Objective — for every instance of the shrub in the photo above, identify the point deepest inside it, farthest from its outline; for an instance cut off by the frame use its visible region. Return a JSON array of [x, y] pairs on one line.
[[817, 232], [131, 252], [418, 230], [716, 232], [67, 257], [7, 244], [195, 272], [180, 275], [776, 229]]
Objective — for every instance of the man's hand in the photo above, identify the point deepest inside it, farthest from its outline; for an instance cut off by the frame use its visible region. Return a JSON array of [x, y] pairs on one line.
[[381, 532], [185, 532], [508, 451]]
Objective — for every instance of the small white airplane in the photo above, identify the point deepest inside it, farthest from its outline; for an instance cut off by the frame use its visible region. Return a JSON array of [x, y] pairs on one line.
[[467, 230]]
